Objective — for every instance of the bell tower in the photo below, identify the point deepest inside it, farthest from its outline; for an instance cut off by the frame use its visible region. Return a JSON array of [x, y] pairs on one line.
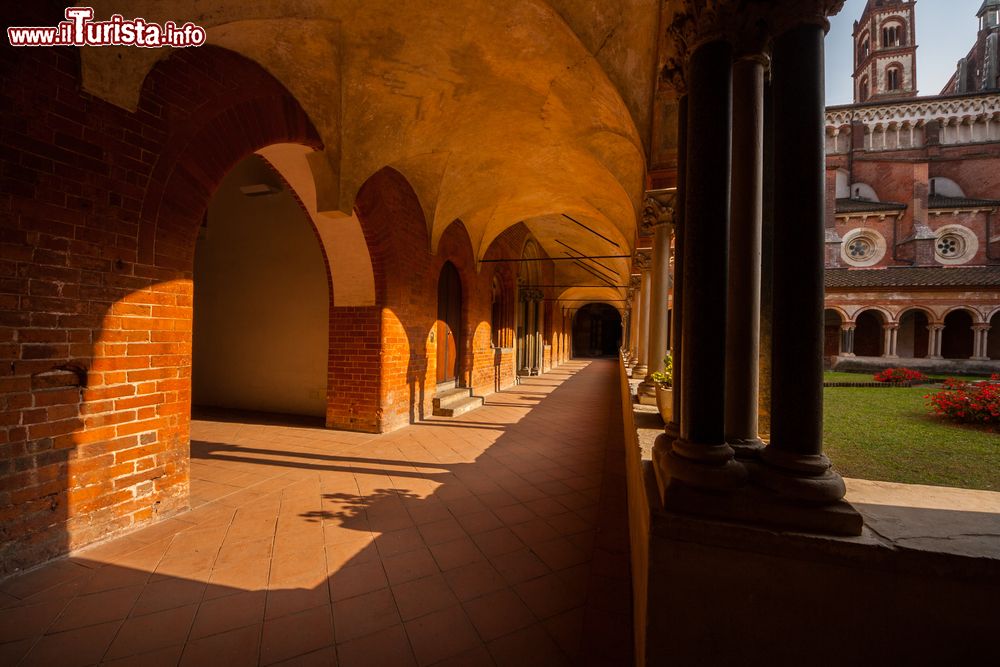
[[885, 51]]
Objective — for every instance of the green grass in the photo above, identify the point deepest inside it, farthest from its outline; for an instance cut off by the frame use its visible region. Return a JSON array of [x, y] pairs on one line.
[[889, 435]]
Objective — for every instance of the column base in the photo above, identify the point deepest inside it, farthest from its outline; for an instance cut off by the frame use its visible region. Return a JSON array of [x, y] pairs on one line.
[[716, 470], [646, 393], [640, 370], [808, 478], [672, 430], [752, 505], [979, 358], [747, 448]]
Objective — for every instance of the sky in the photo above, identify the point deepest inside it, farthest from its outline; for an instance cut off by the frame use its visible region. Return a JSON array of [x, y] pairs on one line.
[[946, 30]]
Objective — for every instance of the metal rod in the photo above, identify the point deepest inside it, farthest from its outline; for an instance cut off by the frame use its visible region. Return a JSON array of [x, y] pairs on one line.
[[607, 275], [582, 256], [593, 273], [553, 259], [592, 231]]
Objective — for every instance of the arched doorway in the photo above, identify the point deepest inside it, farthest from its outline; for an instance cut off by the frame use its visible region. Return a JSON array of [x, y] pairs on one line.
[[261, 300], [913, 336], [868, 334], [831, 333], [957, 337], [993, 337], [449, 325], [597, 331]]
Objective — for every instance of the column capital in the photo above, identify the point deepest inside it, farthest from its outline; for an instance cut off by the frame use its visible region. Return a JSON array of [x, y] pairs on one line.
[[981, 326], [749, 25], [889, 326], [848, 326], [643, 259], [657, 210], [531, 294], [634, 283]]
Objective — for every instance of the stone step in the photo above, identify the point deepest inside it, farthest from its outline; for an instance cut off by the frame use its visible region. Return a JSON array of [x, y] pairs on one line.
[[453, 402]]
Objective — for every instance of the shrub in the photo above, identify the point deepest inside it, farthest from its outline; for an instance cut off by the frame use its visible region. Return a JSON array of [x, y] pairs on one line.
[[665, 378], [968, 402], [900, 375]]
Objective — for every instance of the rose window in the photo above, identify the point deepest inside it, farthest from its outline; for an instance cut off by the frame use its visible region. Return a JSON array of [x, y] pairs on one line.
[[951, 245], [861, 248]]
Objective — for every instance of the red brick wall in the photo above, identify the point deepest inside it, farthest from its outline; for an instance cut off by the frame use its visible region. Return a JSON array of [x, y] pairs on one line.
[[99, 208]]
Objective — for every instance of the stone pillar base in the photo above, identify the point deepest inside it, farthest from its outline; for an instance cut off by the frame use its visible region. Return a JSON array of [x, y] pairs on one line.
[[640, 370], [752, 505], [646, 393], [747, 449], [723, 474], [807, 478]]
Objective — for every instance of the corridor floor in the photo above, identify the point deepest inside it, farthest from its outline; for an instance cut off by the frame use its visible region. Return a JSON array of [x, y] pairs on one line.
[[499, 537]]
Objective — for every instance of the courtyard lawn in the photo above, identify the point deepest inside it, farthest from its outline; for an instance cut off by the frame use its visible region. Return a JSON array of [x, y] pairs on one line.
[[889, 435]]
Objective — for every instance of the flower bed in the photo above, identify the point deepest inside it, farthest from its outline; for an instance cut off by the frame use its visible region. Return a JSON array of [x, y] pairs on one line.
[[968, 402], [900, 376]]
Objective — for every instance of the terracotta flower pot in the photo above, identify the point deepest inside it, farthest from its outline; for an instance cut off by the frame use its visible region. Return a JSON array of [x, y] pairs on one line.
[[665, 403]]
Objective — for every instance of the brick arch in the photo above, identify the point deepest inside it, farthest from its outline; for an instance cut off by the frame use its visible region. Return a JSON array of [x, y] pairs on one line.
[[394, 227], [220, 108]]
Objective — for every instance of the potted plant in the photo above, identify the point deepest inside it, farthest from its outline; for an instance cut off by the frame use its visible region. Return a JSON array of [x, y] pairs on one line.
[[664, 381]]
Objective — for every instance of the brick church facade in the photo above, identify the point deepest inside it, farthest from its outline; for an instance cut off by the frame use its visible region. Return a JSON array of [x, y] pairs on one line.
[[913, 190]]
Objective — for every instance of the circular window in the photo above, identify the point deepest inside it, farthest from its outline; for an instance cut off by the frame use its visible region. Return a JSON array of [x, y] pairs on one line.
[[955, 244], [862, 247]]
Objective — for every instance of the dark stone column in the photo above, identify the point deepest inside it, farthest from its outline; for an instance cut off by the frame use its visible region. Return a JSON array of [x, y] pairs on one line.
[[700, 457], [795, 466], [743, 334], [673, 429]]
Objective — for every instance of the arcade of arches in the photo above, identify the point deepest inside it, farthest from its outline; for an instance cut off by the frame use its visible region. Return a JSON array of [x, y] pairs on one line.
[[342, 211]]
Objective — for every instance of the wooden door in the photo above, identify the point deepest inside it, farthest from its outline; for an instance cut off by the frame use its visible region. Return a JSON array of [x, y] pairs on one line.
[[449, 324]]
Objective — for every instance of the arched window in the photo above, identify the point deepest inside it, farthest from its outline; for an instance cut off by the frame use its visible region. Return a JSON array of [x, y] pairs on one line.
[[863, 90], [864, 50], [893, 78], [892, 36]]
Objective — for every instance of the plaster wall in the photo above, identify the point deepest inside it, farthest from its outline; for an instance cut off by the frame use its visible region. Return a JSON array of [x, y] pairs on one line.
[[261, 302]]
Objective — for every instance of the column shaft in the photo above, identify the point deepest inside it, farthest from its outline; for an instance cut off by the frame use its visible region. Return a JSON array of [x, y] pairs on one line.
[[797, 467], [743, 319], [644, 294], [660, 286], [701, 457], [673, 429]]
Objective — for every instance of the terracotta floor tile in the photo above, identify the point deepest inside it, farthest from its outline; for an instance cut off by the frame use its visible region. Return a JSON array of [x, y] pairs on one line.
[[518, 566], [356, 580], [498, 614], [471, 581], [422, 596], [551, 470], [410, 565], [152, 631], [95, 608], [164, 657], [442, 634], [530, 647], [499, 541], [475, 657], [456, 553], [82, 646], [233, 648], [26, 621], [168, 594], [398, 541], [445, 530], [229, 613], [559, 553], [324, 657], [363, 615], [296, 634], [385, 648], [284, 601]]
